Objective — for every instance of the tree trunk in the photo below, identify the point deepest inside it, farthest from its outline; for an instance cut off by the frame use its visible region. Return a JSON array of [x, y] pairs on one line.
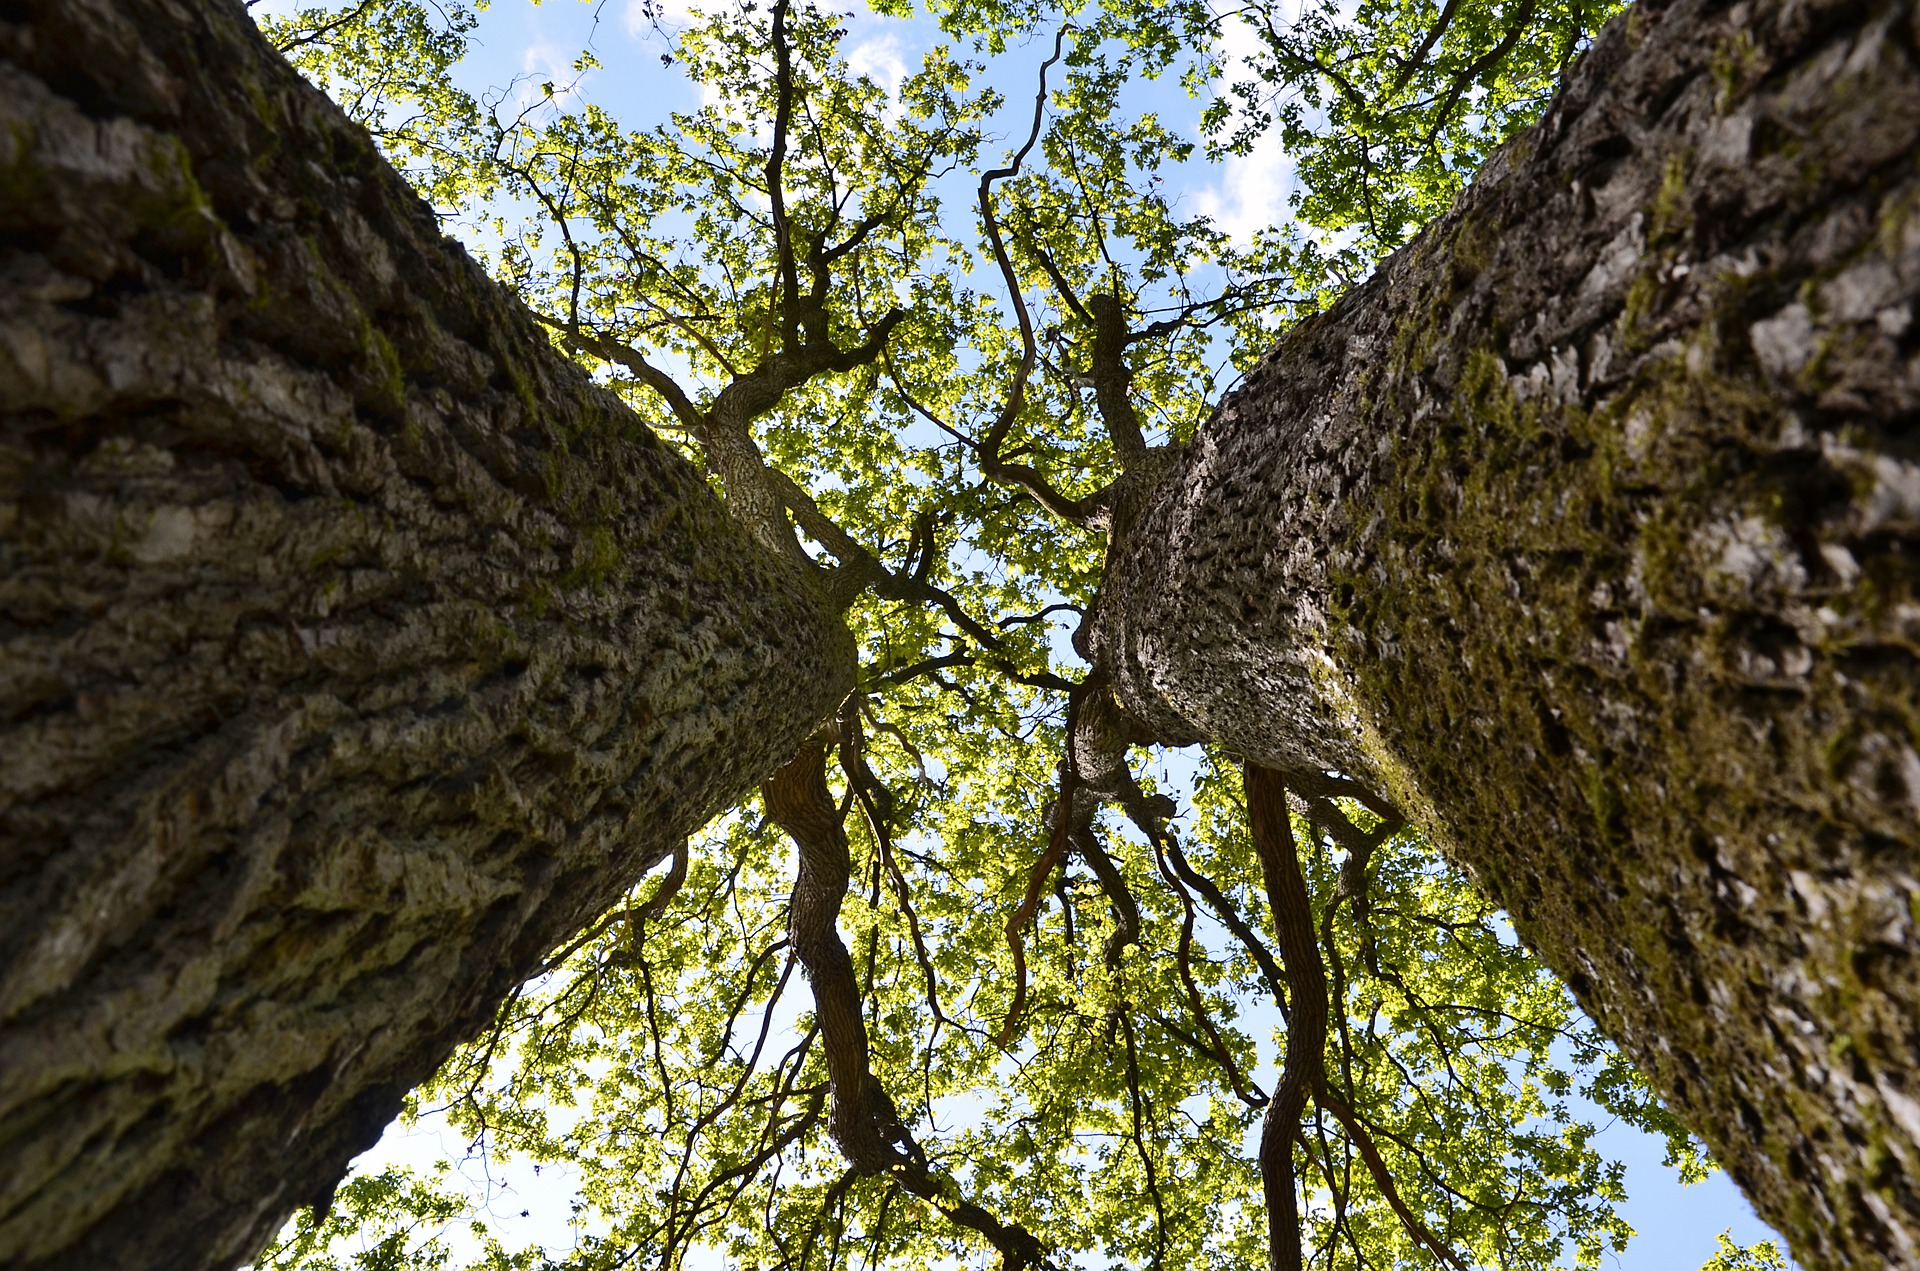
[[1587, 530], [354, 648]]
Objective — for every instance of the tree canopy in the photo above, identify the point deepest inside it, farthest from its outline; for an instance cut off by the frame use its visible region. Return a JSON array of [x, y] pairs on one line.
[[935, 338]]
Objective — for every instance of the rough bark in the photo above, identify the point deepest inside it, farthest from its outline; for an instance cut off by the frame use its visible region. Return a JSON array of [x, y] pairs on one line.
[[1586, 531], [354, 648]]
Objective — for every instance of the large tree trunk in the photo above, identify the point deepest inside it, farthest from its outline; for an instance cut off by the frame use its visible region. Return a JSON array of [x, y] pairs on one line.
[[1587, 529], [354, 648]]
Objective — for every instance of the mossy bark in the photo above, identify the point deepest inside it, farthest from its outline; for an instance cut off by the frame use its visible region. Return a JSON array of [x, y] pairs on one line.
[[1587, 530], [354, 648]]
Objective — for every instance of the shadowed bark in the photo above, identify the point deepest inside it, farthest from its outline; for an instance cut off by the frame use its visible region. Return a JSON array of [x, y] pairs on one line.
[[354, 648], [1585, 532]]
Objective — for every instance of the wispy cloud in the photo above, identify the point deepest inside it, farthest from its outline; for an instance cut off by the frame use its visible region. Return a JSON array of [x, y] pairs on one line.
[[543, 58], [1252, 191], [882, 58], [640, 17]]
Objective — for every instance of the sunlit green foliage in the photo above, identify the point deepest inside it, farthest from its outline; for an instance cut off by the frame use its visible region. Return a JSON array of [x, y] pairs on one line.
[[1765, 1256], [389, 1219], [1390, 110], [670, 1057]]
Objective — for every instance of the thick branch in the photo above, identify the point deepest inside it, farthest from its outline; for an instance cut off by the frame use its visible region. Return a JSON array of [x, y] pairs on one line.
[[862, 1118], [1303, 1068], [788, 303], [630, 360]]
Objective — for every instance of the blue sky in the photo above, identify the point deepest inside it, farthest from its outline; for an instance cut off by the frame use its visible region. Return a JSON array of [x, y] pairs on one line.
[[534, 44]]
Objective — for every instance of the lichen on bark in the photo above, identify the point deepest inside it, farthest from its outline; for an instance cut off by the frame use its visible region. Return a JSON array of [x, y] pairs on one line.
[[354, 647], [1586, 531]]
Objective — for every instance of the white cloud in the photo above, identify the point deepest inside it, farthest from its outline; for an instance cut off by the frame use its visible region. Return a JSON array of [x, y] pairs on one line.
[[1252, 190], [541, 63], [660, 22], [881, 58], [543, 58]]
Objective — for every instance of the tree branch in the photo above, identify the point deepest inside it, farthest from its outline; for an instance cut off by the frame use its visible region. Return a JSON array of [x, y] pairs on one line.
[[1074, 511], [629, 359], [1272, 831], [861, 1119]]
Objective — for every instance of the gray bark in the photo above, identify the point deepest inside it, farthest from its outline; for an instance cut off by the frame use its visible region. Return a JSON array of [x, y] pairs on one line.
[[1586, 530], [354, 648]]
